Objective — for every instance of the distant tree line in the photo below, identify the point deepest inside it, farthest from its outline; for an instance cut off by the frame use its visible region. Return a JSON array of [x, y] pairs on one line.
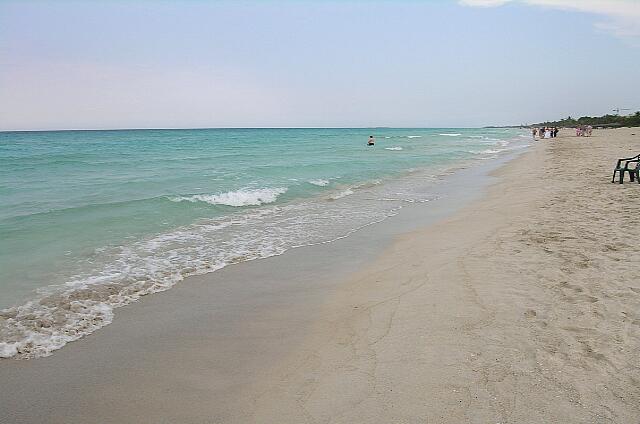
[[606, 120]]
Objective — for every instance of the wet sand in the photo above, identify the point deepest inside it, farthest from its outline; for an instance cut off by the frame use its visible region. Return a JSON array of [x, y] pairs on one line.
[[523, 306]]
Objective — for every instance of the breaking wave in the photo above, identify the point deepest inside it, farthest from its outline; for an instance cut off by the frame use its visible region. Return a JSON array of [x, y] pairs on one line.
[[244, 197], [319, 182]]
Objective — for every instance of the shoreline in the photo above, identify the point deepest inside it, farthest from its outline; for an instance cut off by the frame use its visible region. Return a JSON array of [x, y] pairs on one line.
[[226, 307], [464, 319], [30, 332]]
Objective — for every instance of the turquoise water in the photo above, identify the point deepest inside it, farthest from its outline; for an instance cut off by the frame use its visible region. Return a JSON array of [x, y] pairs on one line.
[[91, 220]]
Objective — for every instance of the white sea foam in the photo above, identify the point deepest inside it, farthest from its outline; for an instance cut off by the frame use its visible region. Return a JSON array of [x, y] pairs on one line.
[[414, 136], [39, 327], [451, 134], [121, 275], [244, 197], [351, 190], [393, 148], [490, 139], [408, 200], [319, 182], [344, 193]]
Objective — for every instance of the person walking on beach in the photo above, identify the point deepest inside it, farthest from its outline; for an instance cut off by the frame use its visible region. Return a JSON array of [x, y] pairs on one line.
[[371, 141], [534, 133]]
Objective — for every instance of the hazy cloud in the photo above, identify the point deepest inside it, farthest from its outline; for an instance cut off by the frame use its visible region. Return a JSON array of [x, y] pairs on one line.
[[484, 3], [81, 95], [623, 16]]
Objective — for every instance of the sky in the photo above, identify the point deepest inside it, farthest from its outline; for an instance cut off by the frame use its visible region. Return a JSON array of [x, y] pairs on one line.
[[95, 64]]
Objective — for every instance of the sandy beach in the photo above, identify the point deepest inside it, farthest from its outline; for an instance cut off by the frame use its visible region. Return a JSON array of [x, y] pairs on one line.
[[520, 307]]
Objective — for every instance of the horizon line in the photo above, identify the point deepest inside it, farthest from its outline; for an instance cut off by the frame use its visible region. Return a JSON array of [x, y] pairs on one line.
[[246, 128]]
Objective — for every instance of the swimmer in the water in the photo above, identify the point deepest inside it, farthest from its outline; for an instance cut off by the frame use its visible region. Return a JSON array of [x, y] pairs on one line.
[[371, 141]]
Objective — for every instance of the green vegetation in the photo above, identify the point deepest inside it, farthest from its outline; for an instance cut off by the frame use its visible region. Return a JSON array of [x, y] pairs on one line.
[[606, 120]]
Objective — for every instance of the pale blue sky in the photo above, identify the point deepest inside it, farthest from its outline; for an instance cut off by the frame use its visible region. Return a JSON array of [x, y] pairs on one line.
[[140, 64]]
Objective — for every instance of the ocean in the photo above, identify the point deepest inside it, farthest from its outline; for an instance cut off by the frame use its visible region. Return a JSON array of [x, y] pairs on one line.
[[93, 220]]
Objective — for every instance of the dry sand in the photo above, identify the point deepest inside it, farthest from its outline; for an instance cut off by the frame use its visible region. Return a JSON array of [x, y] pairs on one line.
[[523, 307]]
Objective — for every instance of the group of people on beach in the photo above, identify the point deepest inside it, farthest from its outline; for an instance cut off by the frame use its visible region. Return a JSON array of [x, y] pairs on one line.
[[544, 132], [584, 131], [552, 132]]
